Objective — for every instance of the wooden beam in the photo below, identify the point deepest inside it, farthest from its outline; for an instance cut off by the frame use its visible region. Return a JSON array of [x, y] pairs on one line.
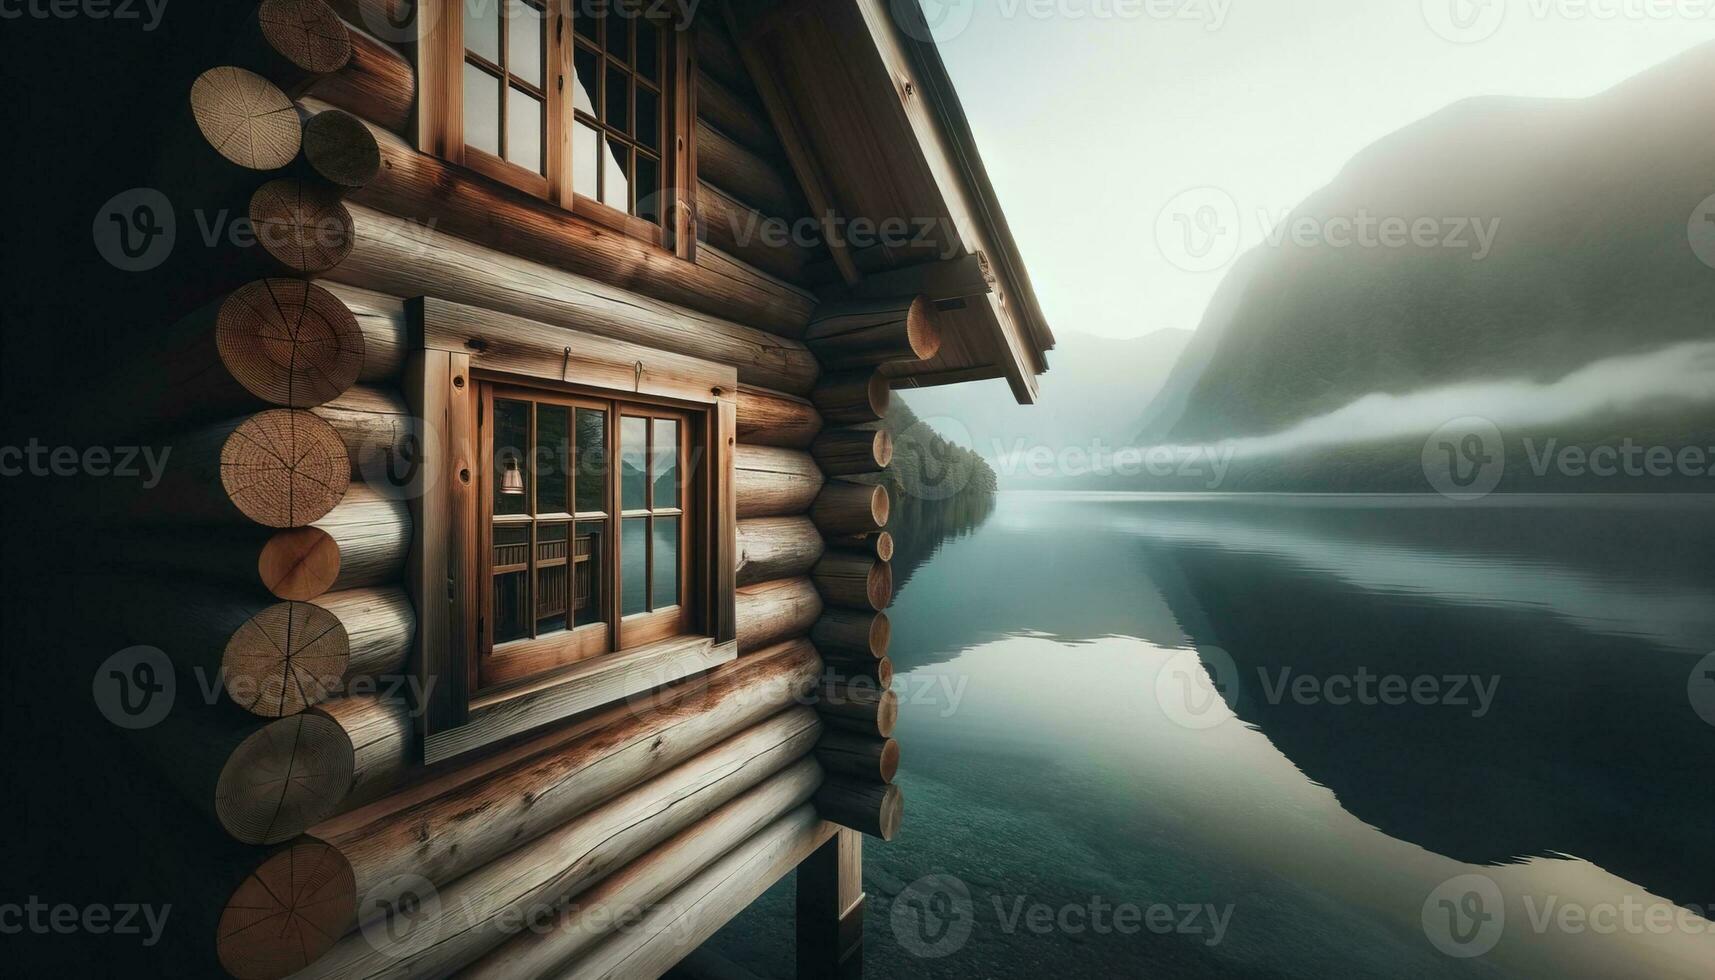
[[830, 910]]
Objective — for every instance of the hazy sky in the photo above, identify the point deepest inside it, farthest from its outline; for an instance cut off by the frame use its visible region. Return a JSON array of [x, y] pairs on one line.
[[1093, 124]]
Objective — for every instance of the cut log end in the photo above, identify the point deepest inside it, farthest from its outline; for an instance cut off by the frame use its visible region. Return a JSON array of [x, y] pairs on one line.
[[869, 808], [286, 659], [299, 563], [289, 342], [922, 329], [246, 118], [853, 397], [285, 778], [884, 546], [853, 634], [287, 913], [340, 148], [307, 33], [303, 226], [284, 468]]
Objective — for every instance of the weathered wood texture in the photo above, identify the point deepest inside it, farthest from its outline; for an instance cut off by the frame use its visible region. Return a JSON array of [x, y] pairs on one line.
[[861, 707], [852, 397], [852, 580], [854, 334], [853, 633], [853, 452], [777, 547], [377, 84], [874, 809], [861, 757], [767, 418], [845, 508], [770, 612], [774, 482]]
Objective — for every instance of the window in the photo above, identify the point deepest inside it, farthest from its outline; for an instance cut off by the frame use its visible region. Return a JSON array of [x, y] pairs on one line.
[[586, 117], [571, 577]]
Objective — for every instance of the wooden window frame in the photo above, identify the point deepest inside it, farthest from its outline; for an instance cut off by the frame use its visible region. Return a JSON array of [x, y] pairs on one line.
[[456, 350], [441, 122]]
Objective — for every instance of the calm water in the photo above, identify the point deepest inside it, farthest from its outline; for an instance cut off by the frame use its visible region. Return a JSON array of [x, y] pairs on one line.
[[1136, 741]]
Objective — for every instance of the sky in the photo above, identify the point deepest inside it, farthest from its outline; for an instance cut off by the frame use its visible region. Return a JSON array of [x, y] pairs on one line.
[[1108, 125]]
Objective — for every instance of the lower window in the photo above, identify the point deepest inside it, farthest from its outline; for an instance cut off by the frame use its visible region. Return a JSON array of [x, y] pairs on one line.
[[586, 529]]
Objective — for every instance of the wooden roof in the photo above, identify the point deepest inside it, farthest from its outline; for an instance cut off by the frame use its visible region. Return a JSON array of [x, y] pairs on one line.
[[873, 129]]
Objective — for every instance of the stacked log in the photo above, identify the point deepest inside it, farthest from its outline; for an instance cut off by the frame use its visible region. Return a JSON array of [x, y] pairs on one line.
[[777, 547]]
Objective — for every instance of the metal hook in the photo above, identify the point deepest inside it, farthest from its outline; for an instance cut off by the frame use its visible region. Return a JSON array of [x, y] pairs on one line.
[[566, 365], [637, 379]]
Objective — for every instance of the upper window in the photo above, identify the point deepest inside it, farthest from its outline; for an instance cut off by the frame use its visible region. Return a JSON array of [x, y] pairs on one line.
[[583, 117], [569, 574]]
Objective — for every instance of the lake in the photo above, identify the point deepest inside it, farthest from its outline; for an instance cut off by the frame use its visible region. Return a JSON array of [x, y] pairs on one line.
[[1198, 736]]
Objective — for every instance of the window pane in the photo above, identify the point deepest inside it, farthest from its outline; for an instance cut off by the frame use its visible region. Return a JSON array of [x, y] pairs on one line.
[[586, 163], [511, 547], [648, 51], [616, 184], [588, 81], [633, 444], [524, 129], [634, 566], [588, 604], [648, 120], [482, 29], [524, 42], [649, 193], [592, 461], [666, 574], [665, 468], [618, 94], [511, 605], [584, 19], [553, 578], [619, 35], [511, 448], [481, 109], [553, 454]]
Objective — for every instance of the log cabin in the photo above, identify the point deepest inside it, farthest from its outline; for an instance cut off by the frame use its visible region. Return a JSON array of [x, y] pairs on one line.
[[522, 493]]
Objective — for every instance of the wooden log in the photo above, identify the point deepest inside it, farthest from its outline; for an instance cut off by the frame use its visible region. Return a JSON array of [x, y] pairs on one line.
[[294, 42], [431, 835], [617, 903], [852, 334], [285, 913], [384, 738], [301, 225], [861, 707], [747, 234], [377, 428], [774, 482], [479, 911], [747, 176], [534, 233], [737, 116], [767, 418], [379, 624], [269, 342], [846, 508], [770, 612], [872, 670], [853, 634], [853, 452], [717, 55], [873, 760], [879, 545], [852, 580], [248, 121], [377, 84], [389, 20], [362, 542], [404, 259], [852, 397], [279, 468], [339, 148], [772, 548], [386, 334], [872, 809]]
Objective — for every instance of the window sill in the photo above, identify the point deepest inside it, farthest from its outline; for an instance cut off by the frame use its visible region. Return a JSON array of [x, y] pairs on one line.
[[579, 688]]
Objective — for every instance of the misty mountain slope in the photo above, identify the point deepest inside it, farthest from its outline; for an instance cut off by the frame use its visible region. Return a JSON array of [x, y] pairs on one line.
[[1591, 258], [1091, 393]]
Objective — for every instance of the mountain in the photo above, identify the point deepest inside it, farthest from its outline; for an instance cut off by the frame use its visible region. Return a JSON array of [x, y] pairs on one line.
[[1593, 206], [1090, 395]]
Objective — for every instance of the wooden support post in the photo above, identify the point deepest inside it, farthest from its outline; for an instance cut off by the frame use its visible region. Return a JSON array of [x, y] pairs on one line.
[[830, 910]]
